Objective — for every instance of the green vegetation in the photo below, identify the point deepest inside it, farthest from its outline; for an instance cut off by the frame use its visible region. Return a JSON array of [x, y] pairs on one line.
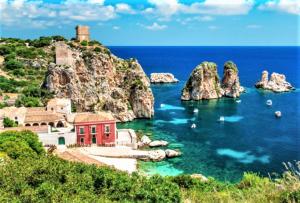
[[84, 43], [230, 65], [28, 175], [7, 122]]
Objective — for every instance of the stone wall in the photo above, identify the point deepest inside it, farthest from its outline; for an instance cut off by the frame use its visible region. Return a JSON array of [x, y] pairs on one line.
[[63, 55]]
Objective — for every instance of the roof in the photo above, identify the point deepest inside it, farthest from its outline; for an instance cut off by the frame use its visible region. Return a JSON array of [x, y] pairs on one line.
[[93, 117], [38, 114], [59, 102]]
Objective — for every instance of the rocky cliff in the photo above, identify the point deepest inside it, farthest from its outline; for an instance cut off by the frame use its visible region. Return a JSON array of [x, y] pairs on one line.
[[96, 80], [277, 82], [162, 78], [204, 82], [230, 82]]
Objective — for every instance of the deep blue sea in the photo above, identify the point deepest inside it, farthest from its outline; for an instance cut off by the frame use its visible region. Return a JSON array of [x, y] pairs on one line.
[[250, 138]]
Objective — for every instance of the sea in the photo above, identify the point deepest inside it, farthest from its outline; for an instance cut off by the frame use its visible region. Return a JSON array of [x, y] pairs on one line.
[[250, 139]]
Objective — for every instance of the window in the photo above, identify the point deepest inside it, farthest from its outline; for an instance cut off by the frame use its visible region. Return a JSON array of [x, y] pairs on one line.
[[107, 129], [81, 130], [93, 129], [82, 140]]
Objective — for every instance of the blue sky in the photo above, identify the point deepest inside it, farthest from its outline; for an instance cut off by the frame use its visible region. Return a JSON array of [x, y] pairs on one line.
[[158, 22]]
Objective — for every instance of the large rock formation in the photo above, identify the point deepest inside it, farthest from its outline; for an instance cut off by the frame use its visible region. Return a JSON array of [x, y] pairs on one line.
[[230, 82], [203, 83], [162, 78], [277, 82], [96, 80]]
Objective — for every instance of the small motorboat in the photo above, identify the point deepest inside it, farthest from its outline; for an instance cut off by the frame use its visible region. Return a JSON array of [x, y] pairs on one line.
[[196, 110], [162, 105], [278, 114], [222, 118], [193, 125], [238, 101], [269, 102]]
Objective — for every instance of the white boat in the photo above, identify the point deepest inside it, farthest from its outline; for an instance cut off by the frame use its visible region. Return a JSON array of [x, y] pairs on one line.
[[238, 101], [222, 118], [278, 114], [269, 102], [193, 125], [162, 105], [196, 110]]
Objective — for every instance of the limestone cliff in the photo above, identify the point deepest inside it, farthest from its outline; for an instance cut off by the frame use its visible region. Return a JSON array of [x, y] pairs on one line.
[[277, 82], [203, 83], [230, 82], [96, 80]]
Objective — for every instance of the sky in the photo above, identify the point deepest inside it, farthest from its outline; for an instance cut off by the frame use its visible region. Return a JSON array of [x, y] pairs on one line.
[[157, 22]]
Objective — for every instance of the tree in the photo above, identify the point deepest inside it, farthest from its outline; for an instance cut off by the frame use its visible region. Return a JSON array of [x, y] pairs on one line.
[[7, 122]]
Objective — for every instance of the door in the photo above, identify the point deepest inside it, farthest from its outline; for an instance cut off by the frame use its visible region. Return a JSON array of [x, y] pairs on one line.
[[94, 139], [61, 141]]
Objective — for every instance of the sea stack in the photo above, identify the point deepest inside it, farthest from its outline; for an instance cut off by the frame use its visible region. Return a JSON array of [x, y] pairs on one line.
[[163, 78], [230, 82], [277, 82], [203, 83]]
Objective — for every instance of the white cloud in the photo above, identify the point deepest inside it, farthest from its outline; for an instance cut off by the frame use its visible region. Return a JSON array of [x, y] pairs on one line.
[[288, 6], [124, 8], [187, 20], [39, 14], [155, 26], [253, 26], [116, 27], [101, 2], [168, 8]]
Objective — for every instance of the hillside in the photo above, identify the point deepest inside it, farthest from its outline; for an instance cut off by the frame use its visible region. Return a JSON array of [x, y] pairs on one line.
[[94, 79]]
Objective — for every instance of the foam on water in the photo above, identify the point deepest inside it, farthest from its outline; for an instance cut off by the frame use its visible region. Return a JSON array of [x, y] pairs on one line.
[[243, 157], [167, 107]]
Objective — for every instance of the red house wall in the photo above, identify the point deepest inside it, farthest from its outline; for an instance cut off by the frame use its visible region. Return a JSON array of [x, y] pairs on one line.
[[101, 137]]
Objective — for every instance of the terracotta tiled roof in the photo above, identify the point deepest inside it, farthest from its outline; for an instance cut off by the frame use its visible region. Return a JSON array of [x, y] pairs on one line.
[[93, 117], [39, 114]]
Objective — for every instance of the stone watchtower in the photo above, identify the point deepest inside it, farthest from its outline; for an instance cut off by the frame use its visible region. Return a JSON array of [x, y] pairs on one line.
[[82, 33]]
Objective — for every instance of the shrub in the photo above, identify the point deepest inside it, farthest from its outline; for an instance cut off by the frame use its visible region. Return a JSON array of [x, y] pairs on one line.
[[7, 122], [97, 49], [84, 43], [13, 65], [27, 101], [94, 42]]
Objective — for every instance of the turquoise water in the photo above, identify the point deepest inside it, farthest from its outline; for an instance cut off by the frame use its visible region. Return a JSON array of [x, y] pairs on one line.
[[249, 138]]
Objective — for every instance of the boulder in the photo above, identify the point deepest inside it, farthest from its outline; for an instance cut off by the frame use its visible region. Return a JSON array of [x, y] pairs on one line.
[[145, 140], [230, 82], [277, 82], [203, 83], [156, 155], [170, 153], [162, 78], [201, 177], [158, 143]]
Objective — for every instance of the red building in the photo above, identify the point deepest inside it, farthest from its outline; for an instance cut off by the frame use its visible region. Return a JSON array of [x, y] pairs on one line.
[[98, 129]]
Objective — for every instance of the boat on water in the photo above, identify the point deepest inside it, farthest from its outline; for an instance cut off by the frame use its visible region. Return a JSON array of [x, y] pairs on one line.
[[238, 101], [222, 118], [269, 102], [196, 110], [193, 125]]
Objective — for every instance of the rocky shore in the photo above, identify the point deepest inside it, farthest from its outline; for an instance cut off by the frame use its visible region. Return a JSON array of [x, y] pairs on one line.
[[163, 78], [204, 82], [277, 82]]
